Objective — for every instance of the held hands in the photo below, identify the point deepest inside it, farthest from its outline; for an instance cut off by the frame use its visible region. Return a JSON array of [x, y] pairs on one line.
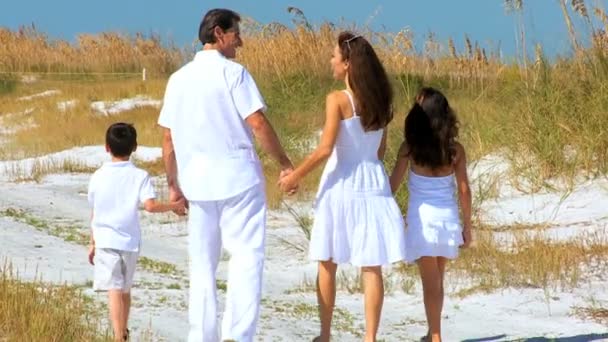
[[181, 206], [177, 197], [288, 182]]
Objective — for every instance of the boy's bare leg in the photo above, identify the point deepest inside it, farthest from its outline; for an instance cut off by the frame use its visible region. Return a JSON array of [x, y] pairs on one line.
[[326, 296], [126, 304], [373, 289], [117, 314]]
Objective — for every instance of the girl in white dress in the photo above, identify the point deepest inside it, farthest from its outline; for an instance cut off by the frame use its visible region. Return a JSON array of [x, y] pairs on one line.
[[356, 218], [437, 171]]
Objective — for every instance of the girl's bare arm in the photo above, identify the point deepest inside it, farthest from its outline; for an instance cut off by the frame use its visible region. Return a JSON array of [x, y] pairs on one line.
[[400, 168], [462, 182]]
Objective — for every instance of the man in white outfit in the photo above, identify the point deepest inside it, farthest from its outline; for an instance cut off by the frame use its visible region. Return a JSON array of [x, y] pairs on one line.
[[212, 110]]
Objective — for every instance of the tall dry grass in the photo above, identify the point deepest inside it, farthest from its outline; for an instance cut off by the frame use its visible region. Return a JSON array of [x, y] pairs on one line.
[[36, 311], [549, 117], [29, 50], [53, 129], [532, 260]]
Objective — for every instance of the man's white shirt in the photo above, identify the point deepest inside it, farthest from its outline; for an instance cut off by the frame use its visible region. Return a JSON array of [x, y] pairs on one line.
[[205, 106]]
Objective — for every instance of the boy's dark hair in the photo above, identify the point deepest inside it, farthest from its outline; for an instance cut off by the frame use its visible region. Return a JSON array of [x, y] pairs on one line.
[[368, 81], [121, 138], [221, 17], [431, 129]]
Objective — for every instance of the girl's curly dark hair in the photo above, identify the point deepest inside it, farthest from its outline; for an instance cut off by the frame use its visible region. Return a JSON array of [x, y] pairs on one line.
[[431, 129]]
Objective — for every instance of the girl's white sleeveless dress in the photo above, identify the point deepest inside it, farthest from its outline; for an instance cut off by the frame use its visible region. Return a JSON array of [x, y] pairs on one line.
[[433, 222], [356, 218]]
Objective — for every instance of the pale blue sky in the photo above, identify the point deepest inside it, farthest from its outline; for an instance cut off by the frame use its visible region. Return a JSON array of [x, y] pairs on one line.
[[485, 21]]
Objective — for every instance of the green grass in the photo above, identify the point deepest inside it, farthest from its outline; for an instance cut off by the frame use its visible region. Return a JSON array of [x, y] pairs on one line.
[[157, 266], [532, 260], [343, 320], [8, 83], [67, 232]]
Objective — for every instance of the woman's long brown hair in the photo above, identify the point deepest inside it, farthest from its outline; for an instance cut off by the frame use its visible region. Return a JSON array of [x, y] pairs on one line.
[[368, 81]]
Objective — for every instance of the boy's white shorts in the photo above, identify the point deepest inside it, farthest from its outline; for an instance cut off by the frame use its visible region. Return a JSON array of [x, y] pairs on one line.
[[114, 269]]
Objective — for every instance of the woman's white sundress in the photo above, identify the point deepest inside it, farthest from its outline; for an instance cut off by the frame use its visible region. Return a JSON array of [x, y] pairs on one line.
[[356, 218], [433, 222]]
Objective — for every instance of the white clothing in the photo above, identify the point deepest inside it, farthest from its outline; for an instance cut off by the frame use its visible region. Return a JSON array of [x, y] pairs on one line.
[[239, 223], [114, 269], [356, 217], [205, 106], [433, 222], [115, 193]]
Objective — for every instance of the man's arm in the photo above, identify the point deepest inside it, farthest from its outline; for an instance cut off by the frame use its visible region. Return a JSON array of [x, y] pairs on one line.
[[268, 139], [175, 193], [169, 159]]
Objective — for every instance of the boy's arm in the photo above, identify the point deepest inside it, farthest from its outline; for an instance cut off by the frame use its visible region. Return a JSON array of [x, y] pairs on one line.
[[147, 196], [92, 242], [464, 190], [400, 168], [152, 206], [92, 239]]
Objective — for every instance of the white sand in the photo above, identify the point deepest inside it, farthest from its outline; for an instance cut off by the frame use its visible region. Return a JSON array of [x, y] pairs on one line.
[[107, 108], [288, 314], [89, 156], [45, 93], [65, 105]]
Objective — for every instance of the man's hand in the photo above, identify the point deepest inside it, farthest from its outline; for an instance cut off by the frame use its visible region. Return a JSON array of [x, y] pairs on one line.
[[285, 172], [176, 195], [288, 182], [181, 203]]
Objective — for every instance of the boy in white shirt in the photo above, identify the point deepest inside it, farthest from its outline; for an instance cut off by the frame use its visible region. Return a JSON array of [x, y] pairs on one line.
[[115, 192]]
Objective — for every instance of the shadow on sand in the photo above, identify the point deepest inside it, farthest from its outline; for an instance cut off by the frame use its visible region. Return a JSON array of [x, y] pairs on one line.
[[577, 338]]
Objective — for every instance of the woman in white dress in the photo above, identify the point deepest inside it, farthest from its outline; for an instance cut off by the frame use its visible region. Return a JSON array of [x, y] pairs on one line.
[[437, 171], [356, 218]]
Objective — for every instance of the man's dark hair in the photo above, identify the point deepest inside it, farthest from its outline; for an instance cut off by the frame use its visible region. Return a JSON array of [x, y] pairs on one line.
[[122, 139], [221, 17]]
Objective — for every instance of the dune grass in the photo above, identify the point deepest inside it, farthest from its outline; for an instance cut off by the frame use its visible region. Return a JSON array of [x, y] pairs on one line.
[[37, 311], [532, 260]]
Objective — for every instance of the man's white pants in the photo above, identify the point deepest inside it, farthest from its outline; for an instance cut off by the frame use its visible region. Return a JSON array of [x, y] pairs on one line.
[[239, 223]]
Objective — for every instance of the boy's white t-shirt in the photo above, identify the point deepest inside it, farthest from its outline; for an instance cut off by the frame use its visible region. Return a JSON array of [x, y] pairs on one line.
[[115, 192]]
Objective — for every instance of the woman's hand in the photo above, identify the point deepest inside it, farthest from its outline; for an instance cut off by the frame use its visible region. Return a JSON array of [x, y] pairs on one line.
[[288, 183]]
